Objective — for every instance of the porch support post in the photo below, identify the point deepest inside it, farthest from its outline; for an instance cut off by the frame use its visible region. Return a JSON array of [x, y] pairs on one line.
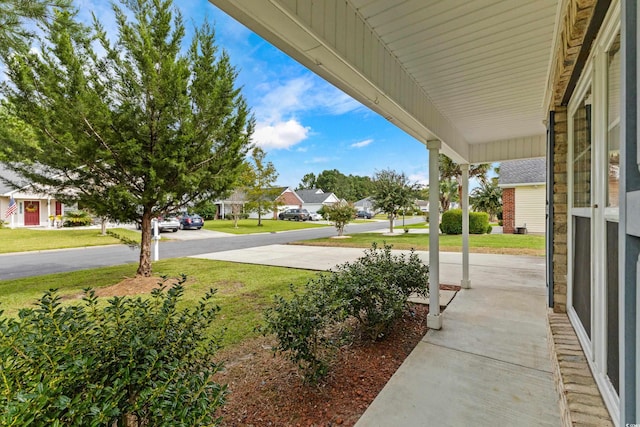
[[49, 212], [434, 320], [465, 283]]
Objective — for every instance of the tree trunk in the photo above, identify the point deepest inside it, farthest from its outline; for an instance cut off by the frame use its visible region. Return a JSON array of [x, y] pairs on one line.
[[392, 217], [103, 226], [259, 217], [235, 221], [144, 267]]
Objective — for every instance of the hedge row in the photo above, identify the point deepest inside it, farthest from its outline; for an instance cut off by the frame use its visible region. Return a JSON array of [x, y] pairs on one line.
[[452, 222]]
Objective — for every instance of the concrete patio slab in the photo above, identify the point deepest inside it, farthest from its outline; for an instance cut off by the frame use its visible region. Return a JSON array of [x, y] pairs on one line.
[[489, 365], [439, 386]]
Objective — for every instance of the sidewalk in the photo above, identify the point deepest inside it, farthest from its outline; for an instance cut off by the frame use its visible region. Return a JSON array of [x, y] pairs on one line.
[[488, 366]]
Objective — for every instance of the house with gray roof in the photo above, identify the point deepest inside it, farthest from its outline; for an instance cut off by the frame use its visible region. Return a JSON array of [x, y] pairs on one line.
[[32, 209], [523, 184], [314, 199]]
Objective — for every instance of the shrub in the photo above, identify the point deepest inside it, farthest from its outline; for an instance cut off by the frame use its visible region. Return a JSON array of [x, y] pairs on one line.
[[1, 223], [489, 228], [451, 222], [373, 290], [500, 223], [124, 363], [426, 217], [478, 222], [207, 210], [340, 214], [300, 326], [77, 219]]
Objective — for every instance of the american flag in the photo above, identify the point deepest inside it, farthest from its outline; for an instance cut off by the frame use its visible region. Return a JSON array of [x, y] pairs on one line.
[[11, 209]]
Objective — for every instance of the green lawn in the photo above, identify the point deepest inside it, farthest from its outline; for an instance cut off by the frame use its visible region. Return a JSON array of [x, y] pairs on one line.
[[516, 244], [249, 226], [26, 239], [244, 291]]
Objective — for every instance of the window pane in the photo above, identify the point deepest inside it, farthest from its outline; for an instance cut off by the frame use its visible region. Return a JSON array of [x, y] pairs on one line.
[[613, 124], [613, 329], [582, 153], [581, 300]]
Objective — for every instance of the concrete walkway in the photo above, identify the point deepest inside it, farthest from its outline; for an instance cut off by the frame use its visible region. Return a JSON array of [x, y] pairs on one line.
[[488, 366]]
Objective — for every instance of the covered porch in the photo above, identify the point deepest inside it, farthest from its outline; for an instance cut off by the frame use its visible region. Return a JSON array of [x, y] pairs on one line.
[[485, 81]]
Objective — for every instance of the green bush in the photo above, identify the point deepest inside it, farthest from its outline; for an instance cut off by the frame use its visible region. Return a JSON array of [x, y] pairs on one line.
[[128, 362], [426, 217], [478, 222], [207, 210], [373, 290], [340, 214], [76, 219], [489, 228], [451, 222]]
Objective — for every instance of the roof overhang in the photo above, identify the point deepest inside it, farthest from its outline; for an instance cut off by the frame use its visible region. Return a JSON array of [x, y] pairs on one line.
[[470, 74]]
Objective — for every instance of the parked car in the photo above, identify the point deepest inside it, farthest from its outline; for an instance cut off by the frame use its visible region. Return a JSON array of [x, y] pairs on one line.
[[364, 214], [315, 216], [190, 221], [295, 214], [169, 223]]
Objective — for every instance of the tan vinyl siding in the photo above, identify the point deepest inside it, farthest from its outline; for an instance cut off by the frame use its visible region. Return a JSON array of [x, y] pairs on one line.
[[530, 208]]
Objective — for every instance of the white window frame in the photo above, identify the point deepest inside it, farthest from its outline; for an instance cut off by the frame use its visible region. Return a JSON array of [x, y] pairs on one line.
[[595, 76]]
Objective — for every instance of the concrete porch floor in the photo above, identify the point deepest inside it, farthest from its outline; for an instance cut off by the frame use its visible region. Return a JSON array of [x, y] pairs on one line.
[[490, 363]]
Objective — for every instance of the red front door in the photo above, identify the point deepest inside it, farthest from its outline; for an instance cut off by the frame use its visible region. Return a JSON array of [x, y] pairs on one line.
[[31, 212]]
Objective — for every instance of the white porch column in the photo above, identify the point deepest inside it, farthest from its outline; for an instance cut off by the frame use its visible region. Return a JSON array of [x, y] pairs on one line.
[[49, 212], [434, 320], [465, 283]]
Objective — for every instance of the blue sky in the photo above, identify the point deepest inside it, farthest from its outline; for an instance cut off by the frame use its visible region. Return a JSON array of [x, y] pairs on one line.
[[303, 123]]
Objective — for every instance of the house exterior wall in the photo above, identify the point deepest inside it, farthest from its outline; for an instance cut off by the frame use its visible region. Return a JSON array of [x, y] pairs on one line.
[[530, 208], [47, 207], [508, 210], [560, 261]]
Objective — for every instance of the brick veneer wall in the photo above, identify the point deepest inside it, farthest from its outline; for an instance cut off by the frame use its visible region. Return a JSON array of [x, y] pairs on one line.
[[560, 151], [508, 210]]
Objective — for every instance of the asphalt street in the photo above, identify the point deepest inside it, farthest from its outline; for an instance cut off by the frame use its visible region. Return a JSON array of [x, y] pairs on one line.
[[13, 266]]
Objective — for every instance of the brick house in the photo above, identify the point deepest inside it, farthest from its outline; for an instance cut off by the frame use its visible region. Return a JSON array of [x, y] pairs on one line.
[[286, 199], [485, 81], [524, 186]]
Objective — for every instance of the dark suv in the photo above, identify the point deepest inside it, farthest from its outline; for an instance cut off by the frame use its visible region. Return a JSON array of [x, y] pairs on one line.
[[295, 214]]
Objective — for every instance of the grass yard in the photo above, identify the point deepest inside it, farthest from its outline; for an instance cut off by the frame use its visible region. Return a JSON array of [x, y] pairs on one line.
[[512, 244], [25, 239], [249, 226], [244, 291]]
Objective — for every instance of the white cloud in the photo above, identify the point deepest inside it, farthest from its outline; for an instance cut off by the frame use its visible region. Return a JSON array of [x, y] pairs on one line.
[[281, 104], [419, 177], [280, 134], [361, 143]]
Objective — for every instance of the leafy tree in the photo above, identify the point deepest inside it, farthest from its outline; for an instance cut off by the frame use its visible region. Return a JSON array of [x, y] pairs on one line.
[[487, 198], [308, 182], [333, 181], [392, 192], [144, 129], [16, 14], [261, 194], [340, 214]]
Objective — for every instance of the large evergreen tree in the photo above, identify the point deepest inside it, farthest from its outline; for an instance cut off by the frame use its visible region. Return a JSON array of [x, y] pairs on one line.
[[19, 17], [133, 129]]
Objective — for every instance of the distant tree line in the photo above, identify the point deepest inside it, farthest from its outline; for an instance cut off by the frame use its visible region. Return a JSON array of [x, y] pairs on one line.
[[349, 187]]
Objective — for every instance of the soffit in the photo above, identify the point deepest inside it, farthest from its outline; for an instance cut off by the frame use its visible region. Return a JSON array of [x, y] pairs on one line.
[[469, 73], [483, 63]]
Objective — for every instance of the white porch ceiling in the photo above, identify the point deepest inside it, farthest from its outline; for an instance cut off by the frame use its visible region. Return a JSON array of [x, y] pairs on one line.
[[471, 73]]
